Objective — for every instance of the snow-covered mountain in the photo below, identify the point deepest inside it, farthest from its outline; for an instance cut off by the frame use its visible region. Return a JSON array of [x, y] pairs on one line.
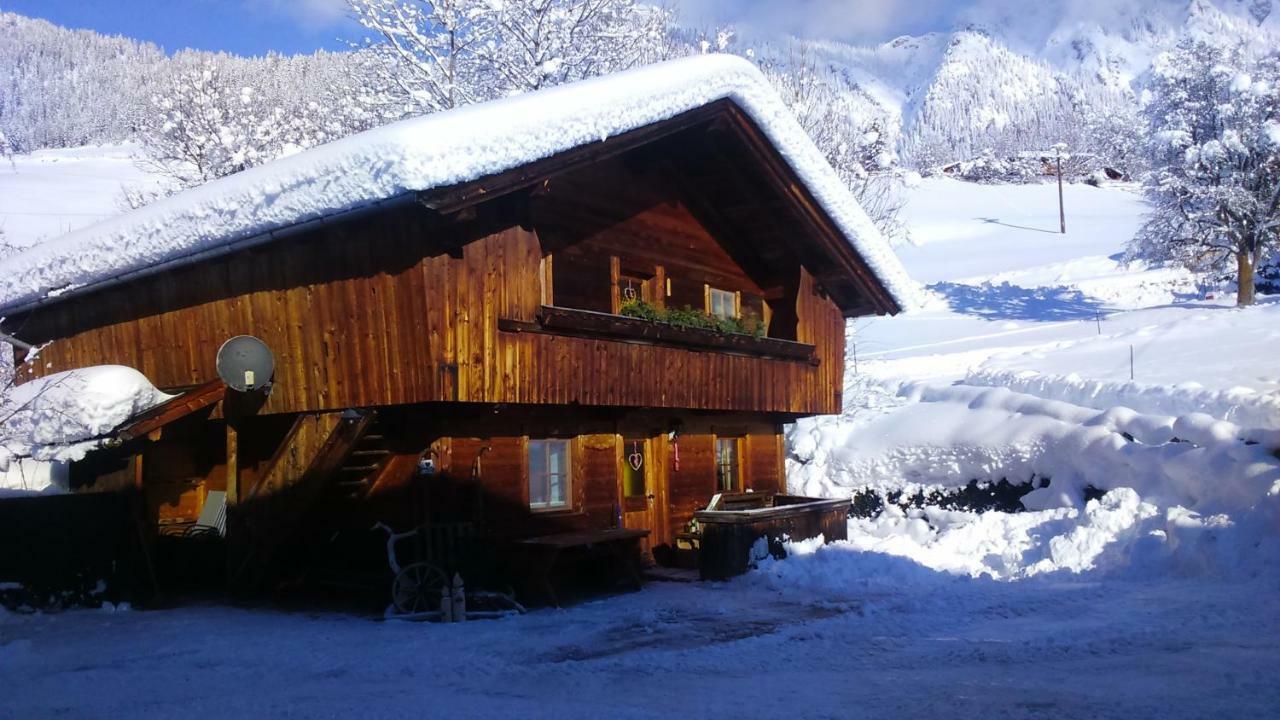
[[1013, 71], [1115, 40]]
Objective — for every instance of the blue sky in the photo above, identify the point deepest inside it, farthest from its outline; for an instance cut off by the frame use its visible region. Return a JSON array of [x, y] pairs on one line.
[[256, 26], [246, 27]]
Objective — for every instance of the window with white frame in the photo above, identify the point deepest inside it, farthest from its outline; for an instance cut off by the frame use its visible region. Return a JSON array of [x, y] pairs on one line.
[[722, 303], [549, 474]]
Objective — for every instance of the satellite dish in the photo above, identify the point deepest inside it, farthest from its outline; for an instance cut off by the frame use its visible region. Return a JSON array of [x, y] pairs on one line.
[[245, 363]]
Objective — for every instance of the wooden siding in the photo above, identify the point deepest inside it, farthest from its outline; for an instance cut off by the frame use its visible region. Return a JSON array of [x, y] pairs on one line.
[[501, 487], [403, 308], [609, 211]]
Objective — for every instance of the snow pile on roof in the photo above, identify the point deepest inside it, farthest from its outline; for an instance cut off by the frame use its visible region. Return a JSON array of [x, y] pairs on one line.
[[437, 151], [64, 415]]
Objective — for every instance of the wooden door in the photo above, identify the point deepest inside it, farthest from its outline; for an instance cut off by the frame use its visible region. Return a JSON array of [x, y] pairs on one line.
[[638, 487]]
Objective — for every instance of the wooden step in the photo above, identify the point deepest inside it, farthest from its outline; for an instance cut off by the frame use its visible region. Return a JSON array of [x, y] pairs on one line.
[[358, 468]]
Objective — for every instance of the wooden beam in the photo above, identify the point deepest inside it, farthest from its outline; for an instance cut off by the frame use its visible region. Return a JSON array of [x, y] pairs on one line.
[[783, 177], [144, 424]]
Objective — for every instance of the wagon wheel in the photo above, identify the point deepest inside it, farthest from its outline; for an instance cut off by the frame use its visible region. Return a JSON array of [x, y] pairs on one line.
[[417, 588]]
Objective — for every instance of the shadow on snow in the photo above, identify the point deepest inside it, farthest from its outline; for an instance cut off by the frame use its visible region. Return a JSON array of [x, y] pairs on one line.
[[1013, 302], [997, 221]]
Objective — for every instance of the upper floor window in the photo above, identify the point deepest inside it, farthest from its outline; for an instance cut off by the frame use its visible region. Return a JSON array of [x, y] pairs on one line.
[[722, 303], [550, 478]]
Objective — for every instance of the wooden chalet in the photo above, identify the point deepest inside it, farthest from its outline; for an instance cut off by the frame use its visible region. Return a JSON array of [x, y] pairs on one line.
[[469, 352]]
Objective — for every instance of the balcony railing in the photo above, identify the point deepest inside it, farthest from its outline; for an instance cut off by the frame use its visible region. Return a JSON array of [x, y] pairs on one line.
[[587, 323]]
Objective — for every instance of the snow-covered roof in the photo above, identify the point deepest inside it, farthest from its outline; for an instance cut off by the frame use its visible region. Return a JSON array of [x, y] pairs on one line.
[[432, 152], [64, 415]]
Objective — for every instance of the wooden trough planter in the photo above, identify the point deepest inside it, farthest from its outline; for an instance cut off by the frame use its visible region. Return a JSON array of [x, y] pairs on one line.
[[734, 522]]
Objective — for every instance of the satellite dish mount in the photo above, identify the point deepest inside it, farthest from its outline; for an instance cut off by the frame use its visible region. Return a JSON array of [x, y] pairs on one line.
[[246, 364]]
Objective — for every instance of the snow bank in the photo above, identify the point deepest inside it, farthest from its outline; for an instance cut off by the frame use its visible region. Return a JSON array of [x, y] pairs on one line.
[[1190, 493], [947, 436], [436, 151], [1240, 405], [63, 416], [1120, 535]]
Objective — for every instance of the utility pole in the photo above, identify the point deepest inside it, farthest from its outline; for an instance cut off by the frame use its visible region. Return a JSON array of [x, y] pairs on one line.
[[1062, 212]]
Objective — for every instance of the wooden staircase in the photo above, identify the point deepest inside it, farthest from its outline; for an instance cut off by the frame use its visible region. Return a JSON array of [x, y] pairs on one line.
[[360, 470], [324, 458]]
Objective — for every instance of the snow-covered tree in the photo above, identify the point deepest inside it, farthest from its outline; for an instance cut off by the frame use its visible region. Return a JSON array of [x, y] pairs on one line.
[[1114, 135], [984, 96], [440, 54], [205, 126], [61, 88], [1215, 191], [429, 49], [845, 123], [549, 42]]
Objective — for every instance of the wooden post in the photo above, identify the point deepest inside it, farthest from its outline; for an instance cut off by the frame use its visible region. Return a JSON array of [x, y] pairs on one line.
[[547, 290], [1062, 213], [615, 276], [236, 549], [233, 466]]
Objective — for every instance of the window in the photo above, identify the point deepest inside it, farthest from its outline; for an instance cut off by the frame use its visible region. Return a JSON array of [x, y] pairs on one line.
[[728, 469], [549, 476], [722, 303]]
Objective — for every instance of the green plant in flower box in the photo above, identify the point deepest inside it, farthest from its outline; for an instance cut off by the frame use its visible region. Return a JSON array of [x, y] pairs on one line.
[[688, 317]]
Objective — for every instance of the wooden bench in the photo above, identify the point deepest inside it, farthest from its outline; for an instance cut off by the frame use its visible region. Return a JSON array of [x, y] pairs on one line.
[[540, 555]]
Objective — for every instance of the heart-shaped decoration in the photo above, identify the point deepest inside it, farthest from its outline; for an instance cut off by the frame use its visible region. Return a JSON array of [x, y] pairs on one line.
[[636, 460]]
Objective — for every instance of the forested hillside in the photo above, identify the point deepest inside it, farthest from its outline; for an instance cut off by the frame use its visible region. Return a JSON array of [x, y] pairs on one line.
[[1004, 83]]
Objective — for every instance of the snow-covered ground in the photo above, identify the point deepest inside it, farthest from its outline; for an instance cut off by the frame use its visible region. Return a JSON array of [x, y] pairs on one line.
[[49, 193], [836, 634], [1160, 599], [1019, 369]]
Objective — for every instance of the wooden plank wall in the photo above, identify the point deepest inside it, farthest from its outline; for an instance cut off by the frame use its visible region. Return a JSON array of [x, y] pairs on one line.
[[504, 481], [820, 324], [180, 469], [608, 210], [494, 489], [502, 485], [376, 313]]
